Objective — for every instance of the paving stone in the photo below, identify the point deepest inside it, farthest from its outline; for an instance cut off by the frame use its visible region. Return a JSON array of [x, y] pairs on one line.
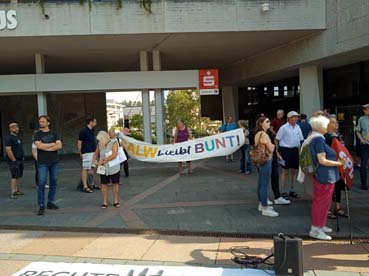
[[26, 257], [9, 267], [114, 261], [11, 240], [57, 259], [200, 250], [117, 246], [58, 244]]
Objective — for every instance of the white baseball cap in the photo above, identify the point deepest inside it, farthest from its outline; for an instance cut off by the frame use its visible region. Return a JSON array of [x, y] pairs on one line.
[[292, 113]]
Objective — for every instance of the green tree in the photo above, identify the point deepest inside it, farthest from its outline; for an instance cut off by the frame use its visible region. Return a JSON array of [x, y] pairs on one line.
[[120, 122], [185, 105], [136, 123]]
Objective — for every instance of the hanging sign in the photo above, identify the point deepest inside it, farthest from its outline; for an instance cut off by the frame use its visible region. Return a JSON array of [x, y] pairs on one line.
[[209, 82]]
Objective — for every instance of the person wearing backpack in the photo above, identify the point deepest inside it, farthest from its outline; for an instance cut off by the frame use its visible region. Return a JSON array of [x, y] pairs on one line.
[[325, 175]]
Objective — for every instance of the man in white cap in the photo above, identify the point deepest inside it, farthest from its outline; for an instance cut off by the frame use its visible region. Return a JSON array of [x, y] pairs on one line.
[[288, 141], [362, 132]]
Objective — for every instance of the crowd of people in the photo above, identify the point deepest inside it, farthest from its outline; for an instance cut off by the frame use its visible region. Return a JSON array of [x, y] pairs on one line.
[[280, 140]]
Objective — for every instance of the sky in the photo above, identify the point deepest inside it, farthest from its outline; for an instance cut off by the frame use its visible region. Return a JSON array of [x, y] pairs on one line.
[[129, 96], [125, 96]]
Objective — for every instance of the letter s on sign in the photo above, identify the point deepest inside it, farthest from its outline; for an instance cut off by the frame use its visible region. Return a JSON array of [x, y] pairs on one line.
[[12, 20], [209, 80]]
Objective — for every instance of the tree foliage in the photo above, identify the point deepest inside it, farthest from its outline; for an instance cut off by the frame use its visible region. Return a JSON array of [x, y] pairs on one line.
[[185, 105]]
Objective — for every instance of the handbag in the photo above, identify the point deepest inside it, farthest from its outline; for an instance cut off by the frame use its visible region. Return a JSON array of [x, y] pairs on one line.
[[258, 154]]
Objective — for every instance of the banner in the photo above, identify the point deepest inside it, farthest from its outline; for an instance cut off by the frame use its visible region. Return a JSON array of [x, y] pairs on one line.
[[212, 146], [86, 269], [346, 172]]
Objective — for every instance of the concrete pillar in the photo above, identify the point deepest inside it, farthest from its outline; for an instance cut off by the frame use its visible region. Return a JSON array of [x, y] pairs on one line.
[[311, 89], [41, 96], [144, 66], [230, 102], [159, 101]]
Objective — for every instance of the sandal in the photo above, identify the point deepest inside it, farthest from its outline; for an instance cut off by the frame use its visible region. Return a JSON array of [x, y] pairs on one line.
[[340, 212], [331, 215], [116, 205], [104, 206], [96, 187], [87, 190]]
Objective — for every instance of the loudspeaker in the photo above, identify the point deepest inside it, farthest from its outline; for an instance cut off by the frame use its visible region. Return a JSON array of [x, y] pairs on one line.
[[288, 259]]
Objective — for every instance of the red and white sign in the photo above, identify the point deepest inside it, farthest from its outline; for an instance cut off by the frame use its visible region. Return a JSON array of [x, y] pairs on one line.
[[209, 82]]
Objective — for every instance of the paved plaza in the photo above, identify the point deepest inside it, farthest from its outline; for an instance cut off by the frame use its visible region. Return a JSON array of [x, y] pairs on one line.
[[168, 219]]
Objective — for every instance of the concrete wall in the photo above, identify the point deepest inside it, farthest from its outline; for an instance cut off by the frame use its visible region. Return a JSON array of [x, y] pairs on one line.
[[168, 16], [67, 112], [346, 40]]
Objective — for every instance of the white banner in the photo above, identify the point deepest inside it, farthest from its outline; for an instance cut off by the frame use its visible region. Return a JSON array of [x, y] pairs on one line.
[[79, 269], [216, 145]]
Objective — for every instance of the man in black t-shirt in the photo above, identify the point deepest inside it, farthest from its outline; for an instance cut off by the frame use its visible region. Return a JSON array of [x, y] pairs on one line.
[[86, 145], [48, 143], [15, 157]]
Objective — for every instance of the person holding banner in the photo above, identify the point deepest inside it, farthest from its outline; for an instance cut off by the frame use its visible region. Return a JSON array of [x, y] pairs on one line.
[[182, 134], [228, 126], [108, 166], [339, 186], [326, 164]]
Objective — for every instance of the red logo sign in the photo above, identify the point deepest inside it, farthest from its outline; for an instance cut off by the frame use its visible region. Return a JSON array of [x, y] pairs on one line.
[[209, 82], [209, 79]]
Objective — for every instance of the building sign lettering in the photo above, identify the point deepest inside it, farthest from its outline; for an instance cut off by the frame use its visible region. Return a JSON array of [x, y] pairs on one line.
[[8, 20]]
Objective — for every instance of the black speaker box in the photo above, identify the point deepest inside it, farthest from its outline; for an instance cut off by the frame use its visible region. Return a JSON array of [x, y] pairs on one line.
[[288, 259]]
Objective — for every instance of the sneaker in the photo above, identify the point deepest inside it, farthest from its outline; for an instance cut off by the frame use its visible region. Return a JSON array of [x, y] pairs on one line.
[[326, 229], [318, 233], [248, 172], [285, 196], [52, 206], [364, 187], [260, 207], [268, 212], [47, 186], [282, 201], [270, 202], [18, 193], [13, 196], [41, 211]]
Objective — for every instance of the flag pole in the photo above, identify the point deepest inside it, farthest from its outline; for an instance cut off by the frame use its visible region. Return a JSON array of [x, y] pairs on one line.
[[348, 211]]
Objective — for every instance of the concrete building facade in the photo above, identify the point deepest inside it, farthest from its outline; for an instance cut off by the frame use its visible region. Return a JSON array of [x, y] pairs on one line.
[[270, 54]]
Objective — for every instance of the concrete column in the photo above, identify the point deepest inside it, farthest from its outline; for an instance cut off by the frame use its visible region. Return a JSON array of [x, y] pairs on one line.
[[159, 101], [144, 66], [311, 89], [41, 96], [230, 102]]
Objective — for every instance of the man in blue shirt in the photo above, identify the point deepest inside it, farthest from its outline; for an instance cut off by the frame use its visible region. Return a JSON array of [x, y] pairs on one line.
[[228, 126], [362, 132], [304, 125], [86, 147]]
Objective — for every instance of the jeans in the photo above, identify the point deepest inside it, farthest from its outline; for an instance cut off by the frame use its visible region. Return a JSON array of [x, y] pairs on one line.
[[265, 172], [364, 150], [245, 158], [43, 171], [36, 173]]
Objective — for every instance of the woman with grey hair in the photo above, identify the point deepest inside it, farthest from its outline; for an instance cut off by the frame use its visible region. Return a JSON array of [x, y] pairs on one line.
[[107, 151], [326, 164]]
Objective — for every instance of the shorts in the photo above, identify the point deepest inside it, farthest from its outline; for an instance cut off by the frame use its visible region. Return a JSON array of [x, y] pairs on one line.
[[88, 160], [16, 169], [106, 179], [291, 157]]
